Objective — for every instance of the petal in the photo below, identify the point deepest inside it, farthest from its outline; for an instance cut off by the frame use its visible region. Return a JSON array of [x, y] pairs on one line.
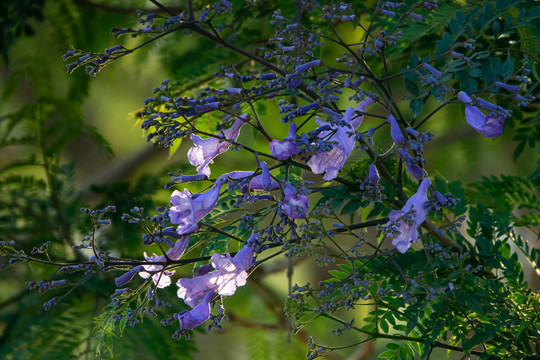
[[193, 290], [243, 258], [199, 314], [395, 131], [373, 176], [127, 277]]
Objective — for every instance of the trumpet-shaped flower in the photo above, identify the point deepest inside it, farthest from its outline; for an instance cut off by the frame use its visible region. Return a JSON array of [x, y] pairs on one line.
[[128, 276], [283, 150], [259, 182], [196, 316], [295, 205], [486, 125], [405, 222], [395, 131], [229, 273], [188, 209], [205, 150], [373, 175], [330, 162], [159, 277]]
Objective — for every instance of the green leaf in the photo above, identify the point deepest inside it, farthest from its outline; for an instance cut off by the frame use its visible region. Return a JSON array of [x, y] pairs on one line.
[[387, 354], [351, 207], [338, 274], [411, 324], [416, 107], [496, 27]]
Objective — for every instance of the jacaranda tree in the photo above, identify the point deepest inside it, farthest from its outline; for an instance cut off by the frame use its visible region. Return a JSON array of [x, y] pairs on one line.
[[348, 139]]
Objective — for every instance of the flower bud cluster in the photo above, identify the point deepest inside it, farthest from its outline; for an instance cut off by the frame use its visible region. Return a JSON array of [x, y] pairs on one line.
[[347, 326], [41, 249], [338, 13]]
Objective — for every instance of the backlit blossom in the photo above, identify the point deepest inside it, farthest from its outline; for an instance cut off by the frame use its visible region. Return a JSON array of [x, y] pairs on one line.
[[260, 182], [229, 273], [196, 316], [263, 181], [404, 225], [127, 277], [205, 150], [188, 209], [295, 205], [330, 162], [486, 125], [162, 278], [283, 150]]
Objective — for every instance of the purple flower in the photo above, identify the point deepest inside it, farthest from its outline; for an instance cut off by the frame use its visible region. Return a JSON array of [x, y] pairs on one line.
[[388, 13], [373, 175], [228, 274], [330, 162], [283, 150], [196, 316], [189, 178], [511, 88], [159, 277], [295, 205], [263, 181], [406, 226], [259, 182], [126, 278], [300, 69], [414, 16], [486, 125], [205, 150], [395, 131], [345, 18], [432, 70], [187, 209], [415, 171]]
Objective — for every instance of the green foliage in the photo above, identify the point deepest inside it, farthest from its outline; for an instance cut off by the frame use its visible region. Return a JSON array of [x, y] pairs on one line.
[[16, 21]]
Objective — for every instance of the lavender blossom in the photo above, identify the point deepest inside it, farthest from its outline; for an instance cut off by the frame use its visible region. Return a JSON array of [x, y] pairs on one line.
[[159, 277], [282, 150], [395, 131], [415, 171], [205, 150], [406, 226], [432, 70], [295, 205], [263, 181], [388, 13], [127, 277], [199, 314], [373, 175], [229, 273], [511, 88], [187, 209], [486, 125], [330, 162], [259, 182], [417, 17], [300, 69]]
